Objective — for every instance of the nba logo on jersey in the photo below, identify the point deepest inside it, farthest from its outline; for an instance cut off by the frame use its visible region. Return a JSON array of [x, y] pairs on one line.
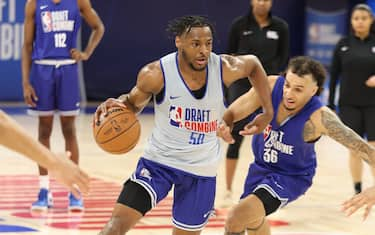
[[267, 131], [46, 17], [175, 116]]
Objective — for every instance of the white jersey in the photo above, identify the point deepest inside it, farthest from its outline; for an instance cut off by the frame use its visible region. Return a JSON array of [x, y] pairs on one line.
[[184, 136]]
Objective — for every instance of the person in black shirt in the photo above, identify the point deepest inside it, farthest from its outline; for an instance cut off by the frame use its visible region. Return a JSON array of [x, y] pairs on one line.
[[354, 60], [266, 36]]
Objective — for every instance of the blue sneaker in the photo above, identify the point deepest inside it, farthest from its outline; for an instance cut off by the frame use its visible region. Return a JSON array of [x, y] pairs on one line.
[[75, 204], [44, 201]]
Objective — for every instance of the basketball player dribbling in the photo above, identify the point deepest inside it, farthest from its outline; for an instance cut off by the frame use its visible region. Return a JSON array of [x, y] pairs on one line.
[[285, 158], [50, 74], [183, 150]]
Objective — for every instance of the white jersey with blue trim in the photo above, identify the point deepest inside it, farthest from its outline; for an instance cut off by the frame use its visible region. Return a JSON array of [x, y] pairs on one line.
[[184, 136]]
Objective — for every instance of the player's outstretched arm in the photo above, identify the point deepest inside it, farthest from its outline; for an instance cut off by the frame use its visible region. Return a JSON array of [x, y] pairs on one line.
[[64, 170], [328, 123], [364, 199], [236, 67]]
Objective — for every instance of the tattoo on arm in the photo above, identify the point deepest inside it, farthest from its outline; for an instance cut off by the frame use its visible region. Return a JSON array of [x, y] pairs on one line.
[[347, 137], [309, 131]]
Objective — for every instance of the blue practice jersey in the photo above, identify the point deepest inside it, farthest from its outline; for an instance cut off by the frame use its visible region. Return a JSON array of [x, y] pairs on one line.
[[281, 148], [56, 29]]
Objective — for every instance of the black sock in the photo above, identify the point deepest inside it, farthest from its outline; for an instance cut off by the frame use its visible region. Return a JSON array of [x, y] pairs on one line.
[[358, 187]]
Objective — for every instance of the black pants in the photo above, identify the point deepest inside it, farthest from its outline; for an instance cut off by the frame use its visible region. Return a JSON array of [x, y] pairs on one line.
[[237, 89], [360, 119]]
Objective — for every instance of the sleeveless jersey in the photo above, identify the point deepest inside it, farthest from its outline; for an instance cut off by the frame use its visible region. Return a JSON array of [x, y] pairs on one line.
[[56, 29], [281, 148], [184, 136]]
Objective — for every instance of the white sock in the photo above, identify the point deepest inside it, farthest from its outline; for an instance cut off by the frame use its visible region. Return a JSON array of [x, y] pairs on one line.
[[44, 181]]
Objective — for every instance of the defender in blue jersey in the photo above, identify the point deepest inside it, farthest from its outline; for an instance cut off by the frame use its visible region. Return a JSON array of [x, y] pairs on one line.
[[183, 151], [50, 73], [285, 159]]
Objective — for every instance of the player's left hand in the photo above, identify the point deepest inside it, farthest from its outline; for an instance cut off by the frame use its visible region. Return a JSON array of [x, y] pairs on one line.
[[78, 55], [225, 133], [366, 198], [371, 81], [257, 125], [69, 174]]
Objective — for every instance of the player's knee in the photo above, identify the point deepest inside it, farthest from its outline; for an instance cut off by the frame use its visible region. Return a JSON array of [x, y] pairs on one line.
[[135, 196], [68, 131], [45, 131], [233, 223], [115, 226], [256, 225], [234, 233]]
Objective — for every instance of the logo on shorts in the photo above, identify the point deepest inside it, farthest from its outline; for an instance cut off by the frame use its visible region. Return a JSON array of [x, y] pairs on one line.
[[146, 174]]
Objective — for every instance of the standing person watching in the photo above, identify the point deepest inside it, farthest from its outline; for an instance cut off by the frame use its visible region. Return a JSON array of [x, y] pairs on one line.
[[354, 61], [50, 74], [266, 36]]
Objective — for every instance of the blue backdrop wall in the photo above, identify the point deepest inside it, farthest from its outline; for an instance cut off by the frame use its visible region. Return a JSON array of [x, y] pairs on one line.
[[135, 35]]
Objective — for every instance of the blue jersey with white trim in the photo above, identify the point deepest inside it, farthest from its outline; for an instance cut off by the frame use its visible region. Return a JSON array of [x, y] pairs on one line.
[[56, 29], [282, 148]]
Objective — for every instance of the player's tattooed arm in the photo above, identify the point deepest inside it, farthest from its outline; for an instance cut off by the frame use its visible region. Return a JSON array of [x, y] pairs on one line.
[[309, 132], [334, 128]]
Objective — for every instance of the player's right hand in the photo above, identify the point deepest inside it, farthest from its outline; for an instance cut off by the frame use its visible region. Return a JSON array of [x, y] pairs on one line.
[[29, 95], [102, 109]]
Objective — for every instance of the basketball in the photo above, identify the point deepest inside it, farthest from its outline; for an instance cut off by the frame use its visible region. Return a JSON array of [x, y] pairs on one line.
[[118, 132]]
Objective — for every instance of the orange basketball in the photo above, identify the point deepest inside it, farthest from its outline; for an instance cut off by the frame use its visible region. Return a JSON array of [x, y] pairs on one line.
[[118, 132]]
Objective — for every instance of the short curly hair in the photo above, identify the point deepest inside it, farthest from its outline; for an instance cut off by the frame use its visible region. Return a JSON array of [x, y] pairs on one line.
[[183, 24], [304, 65]]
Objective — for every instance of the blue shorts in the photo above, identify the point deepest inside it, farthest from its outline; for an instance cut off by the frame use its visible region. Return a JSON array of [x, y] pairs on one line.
[[57, 89], [193, 198], [286, 188]]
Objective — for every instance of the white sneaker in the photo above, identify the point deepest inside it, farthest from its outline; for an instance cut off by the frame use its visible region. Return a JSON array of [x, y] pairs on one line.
[[227, 199]]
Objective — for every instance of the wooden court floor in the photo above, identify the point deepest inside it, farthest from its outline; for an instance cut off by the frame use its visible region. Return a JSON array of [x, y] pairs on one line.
[[316, 213]]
